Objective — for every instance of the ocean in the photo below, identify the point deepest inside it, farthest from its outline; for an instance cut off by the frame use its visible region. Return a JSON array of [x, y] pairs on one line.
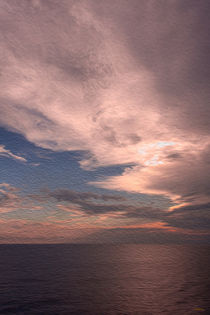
[[104, 279]]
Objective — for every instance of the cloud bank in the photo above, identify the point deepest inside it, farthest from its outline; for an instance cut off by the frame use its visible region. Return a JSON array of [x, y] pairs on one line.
[[65, 215]]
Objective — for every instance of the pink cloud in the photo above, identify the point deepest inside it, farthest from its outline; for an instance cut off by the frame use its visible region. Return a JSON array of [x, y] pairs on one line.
[[124, 85], [179, 173], [8, 153]]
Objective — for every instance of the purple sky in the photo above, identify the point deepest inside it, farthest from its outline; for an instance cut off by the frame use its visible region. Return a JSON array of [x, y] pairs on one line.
[[115, 94]]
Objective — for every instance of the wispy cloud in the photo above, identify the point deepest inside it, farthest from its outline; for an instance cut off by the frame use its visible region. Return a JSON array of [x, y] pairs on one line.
[[114, 210], [8, 153]]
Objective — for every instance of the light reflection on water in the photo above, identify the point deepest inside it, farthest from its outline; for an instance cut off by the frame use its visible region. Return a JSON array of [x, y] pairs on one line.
[[108, 279]]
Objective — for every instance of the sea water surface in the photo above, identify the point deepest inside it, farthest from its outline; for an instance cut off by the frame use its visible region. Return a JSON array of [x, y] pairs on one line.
[[104, 279]]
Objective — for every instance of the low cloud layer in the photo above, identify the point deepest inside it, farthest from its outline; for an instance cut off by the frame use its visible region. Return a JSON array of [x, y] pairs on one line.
[[116, 210], [67, 215]]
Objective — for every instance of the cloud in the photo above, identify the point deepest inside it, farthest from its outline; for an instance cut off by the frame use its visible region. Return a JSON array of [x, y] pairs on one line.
[[70, 90], [12, 199], [8, 153], [122, 211], [98, 204], [193, 217], [93, 209], [9, 198], [24, 231], [125, 82], [8, 187], [184, 179], [77, 197], [68, 210]]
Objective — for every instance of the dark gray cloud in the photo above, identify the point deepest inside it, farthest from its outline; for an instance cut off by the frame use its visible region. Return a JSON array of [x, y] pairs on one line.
[[78, 197], [194, 217], [199, 221], [88, 204], [190, 217], [126, 210]]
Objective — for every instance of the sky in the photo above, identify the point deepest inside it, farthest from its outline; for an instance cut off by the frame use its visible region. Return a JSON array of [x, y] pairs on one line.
[[104, 121]]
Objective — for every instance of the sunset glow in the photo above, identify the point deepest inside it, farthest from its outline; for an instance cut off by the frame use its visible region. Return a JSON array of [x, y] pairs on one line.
[[104, 121]]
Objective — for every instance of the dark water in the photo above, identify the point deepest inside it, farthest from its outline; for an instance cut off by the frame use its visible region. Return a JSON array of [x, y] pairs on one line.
[[108, 279]]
